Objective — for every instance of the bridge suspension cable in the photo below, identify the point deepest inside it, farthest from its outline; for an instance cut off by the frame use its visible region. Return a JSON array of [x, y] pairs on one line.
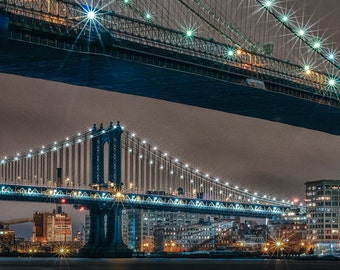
[[68, 26], [314, 43], [145, 170]]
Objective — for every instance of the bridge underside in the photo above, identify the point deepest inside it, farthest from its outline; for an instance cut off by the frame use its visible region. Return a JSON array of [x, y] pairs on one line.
[[129, 77]]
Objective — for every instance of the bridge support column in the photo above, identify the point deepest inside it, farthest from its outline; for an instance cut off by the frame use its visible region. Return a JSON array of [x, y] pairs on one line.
[[96, 235], [115, 246], [110, 245]]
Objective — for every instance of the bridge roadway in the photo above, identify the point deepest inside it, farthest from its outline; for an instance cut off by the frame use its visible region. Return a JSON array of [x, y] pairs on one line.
[[106, 200], [128, 77]]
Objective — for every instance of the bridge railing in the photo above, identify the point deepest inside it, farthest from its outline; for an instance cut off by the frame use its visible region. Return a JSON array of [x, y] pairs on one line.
[[69, 18], [82, 197]]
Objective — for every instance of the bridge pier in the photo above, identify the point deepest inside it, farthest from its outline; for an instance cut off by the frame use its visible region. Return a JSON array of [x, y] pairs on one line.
[[106, 242], [109, 245]]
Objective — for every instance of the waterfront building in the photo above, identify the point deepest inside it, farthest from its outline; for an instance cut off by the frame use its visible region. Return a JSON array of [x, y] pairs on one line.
[[52, 227], [201, 236], [7, 240], [138, 226], [323, 215]]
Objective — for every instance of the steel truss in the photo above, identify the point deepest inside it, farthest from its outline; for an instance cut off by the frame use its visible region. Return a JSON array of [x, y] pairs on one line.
[[63, 24]]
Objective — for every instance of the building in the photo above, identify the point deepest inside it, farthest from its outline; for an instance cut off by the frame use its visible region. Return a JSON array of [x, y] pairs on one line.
[[52, 227], [205, 235], [323, 215], [7, 240], [138, 226]]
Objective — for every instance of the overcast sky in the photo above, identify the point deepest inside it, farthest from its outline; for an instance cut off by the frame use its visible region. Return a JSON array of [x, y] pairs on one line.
[[256, 154]]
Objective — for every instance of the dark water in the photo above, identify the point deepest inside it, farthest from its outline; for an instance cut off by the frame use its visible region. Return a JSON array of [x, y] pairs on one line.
[[163, 264]]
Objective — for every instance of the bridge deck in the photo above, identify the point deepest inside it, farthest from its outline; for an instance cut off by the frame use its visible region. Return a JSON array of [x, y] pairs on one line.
[[133, 78]]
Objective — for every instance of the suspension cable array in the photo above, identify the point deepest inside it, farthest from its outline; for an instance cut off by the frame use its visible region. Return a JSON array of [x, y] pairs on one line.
[[145, 170]]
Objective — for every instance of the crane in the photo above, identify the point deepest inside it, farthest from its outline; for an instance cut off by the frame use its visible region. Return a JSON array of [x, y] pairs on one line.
[[5, 223]]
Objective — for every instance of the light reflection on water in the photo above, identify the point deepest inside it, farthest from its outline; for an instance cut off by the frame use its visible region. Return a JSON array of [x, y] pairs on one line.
[[162, 264]]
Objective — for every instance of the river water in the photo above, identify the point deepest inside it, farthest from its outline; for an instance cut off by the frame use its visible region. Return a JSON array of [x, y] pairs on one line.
[[163, 264]]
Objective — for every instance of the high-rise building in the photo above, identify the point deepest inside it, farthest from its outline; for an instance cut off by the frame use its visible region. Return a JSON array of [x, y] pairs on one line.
[[52, 227], [149, 231], [138, 225], [323, 215]]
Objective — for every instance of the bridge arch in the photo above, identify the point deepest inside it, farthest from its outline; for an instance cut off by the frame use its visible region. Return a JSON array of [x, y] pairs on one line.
[[100, 139]]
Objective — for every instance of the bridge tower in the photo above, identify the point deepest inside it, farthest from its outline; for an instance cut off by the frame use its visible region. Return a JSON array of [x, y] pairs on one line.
[[105, 238]]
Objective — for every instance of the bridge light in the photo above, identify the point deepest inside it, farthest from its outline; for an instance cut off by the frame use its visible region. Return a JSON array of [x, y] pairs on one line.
[[133, 134], [331, 56], [238, 51], [307, 69], [317, 45], [284, 18], [301, 32], [189, 33], [91, 15], [268, 3], [144, 142], [230, 52], [148, 16], [331, 82]]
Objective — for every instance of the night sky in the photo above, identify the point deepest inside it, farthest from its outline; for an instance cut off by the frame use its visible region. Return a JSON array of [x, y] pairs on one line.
[[263, 156]]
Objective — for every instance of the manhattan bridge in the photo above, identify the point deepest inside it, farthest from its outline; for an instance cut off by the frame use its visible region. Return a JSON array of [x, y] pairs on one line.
[[107, 168]]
